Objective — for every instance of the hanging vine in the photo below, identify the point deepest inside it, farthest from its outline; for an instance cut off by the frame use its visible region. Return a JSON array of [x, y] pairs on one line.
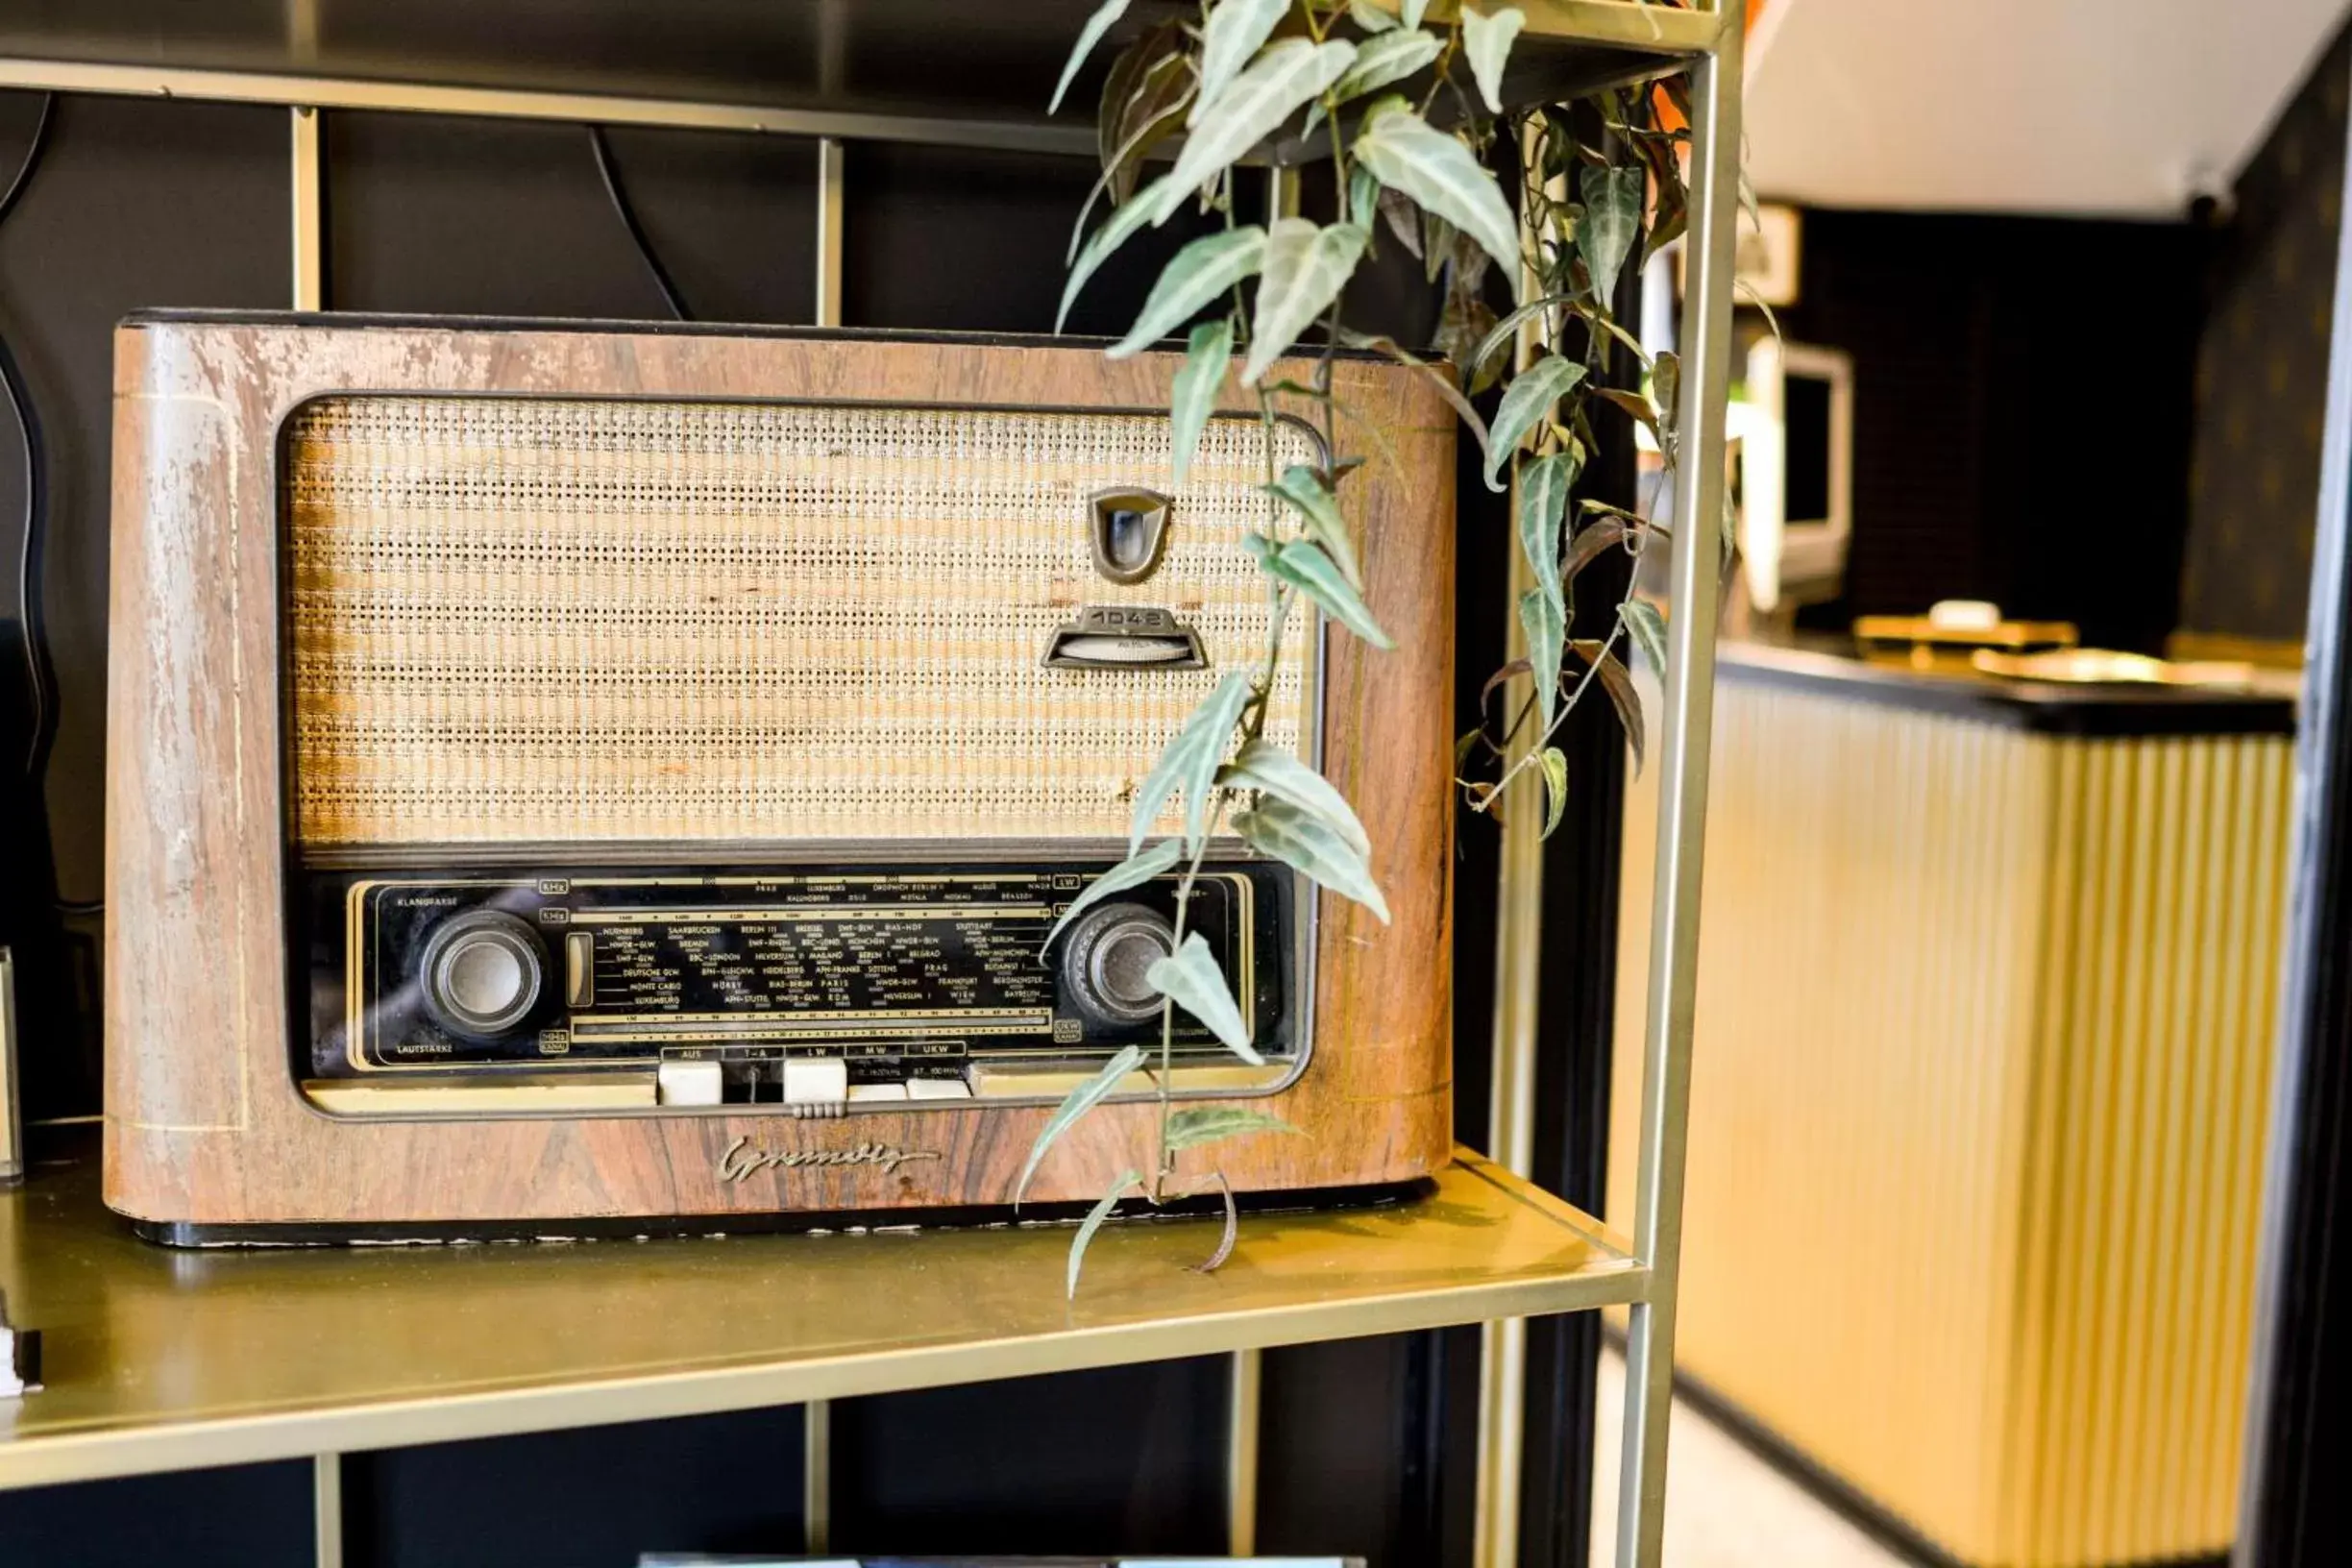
[[1412, 104]]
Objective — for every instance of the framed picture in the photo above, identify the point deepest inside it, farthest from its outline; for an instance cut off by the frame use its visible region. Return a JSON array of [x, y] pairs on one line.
[[1771, 256]]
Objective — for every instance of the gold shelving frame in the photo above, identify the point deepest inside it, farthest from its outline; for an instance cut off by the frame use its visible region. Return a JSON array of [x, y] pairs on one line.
[[164, 1360]]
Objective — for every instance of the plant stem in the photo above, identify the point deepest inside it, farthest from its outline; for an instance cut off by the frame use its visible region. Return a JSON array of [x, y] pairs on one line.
[[1592, 668]]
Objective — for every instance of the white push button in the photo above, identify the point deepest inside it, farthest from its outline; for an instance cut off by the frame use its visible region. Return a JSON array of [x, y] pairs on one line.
[[938, 1089], [815, 1080], [862, 1092], [690, 1082]]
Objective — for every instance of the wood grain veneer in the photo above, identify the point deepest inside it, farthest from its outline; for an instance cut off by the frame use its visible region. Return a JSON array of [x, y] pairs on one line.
[[204, 1121]]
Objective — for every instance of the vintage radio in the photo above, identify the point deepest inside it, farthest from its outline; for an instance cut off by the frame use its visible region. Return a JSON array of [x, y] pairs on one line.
[[562, 771]]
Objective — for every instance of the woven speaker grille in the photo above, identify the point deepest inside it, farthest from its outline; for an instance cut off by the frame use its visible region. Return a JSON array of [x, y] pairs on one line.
[[587, 619]]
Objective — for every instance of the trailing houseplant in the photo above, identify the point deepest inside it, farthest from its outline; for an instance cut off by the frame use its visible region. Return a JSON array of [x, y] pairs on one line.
[[1412, 106]]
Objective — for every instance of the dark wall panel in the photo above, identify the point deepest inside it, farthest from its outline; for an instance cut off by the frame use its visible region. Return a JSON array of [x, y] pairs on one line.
[[593, 1497], [957, 239], [2262, 373], [250, 1516], [2021, 421], [504, 218], [1124, 1459]]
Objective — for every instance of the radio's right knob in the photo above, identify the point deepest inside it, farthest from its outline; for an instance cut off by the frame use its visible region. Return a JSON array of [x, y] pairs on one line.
[[482, 972], [1106, 958]]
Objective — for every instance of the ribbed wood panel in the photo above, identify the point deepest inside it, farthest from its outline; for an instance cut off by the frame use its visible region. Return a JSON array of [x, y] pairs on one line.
[[1976, 1113]]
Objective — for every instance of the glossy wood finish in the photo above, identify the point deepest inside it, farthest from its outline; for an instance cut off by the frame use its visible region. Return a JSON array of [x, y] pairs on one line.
[[159, 1361], [205, 1123]]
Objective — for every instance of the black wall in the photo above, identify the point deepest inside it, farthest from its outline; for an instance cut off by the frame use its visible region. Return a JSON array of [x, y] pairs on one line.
[[2262, 373], [2023, 399], [146, 204]]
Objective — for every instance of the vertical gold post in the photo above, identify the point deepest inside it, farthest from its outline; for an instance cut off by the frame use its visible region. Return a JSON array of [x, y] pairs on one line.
[[1282, 191], [326, 1510], [11, 1128], [1242, 1427], [816, 1474], [828, 232], [309, 239], [816, 1415], [1241, 1430], [1672, 985], [1510, 1121]]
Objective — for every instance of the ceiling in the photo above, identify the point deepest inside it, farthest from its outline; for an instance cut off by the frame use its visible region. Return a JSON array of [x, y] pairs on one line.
[[2109, 107]]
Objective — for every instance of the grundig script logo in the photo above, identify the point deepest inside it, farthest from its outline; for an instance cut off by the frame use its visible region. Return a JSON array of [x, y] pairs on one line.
[[741, 1161]]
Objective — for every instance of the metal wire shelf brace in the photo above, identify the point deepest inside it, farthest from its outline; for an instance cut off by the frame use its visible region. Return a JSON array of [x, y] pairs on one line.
[[1707, 37]]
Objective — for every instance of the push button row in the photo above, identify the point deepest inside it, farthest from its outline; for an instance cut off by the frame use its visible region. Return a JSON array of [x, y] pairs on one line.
[[792, 1080]]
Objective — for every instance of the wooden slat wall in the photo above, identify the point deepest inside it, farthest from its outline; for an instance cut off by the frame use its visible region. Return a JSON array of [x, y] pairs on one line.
[[1976, 1112]]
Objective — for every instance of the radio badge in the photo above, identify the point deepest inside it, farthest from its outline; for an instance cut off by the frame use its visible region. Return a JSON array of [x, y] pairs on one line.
[[1125, 637]]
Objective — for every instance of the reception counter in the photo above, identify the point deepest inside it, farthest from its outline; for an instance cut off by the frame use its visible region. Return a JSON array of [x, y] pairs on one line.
[[1988, 976]]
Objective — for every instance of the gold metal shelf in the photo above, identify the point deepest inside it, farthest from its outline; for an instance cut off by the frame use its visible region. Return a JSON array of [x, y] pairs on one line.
[[157, 1359], [872, 70]]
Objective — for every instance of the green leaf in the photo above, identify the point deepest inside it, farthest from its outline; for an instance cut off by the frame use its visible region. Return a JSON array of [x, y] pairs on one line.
[[1618, 681], [1302, 564], [1189, 764], [1208, 355], [1301, 488], [1116, 230], [1288, 74], [1307, 845], [1397, 211], [1132, 872], [1555, 762], [1369, 16], [1234, 32], [1363, 198], [1089, 35], [1384, 62], [1440, 173], [1304, 270], [1612, 220], [1647, 629], [1189, 977], [1547, 636], [1267, 769], [1075, 1104], [1526, 403], [1635, 405], [1199, 1124], [1510, 323], [1666, 386], [1193, 277], [1543, 504], [1590, 541], [1093, 1222], [1143, 105], [1486, 41]]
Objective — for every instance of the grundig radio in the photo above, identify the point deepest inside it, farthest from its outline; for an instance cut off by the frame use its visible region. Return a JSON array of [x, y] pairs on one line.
[[564, 772]]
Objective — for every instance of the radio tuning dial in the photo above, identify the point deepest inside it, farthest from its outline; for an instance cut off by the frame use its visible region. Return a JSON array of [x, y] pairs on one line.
[[1105, 962], [482, 972]]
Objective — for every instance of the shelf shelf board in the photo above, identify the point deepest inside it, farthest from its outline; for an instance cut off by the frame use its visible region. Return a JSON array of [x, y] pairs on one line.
[[156, 1359], [903, 70]]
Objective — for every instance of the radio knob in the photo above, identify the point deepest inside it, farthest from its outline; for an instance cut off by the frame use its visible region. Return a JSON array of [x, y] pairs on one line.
[[1105, 962], [482, 972]]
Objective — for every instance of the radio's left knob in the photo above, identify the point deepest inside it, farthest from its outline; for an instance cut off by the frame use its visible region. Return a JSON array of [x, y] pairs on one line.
[[482, 971]]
